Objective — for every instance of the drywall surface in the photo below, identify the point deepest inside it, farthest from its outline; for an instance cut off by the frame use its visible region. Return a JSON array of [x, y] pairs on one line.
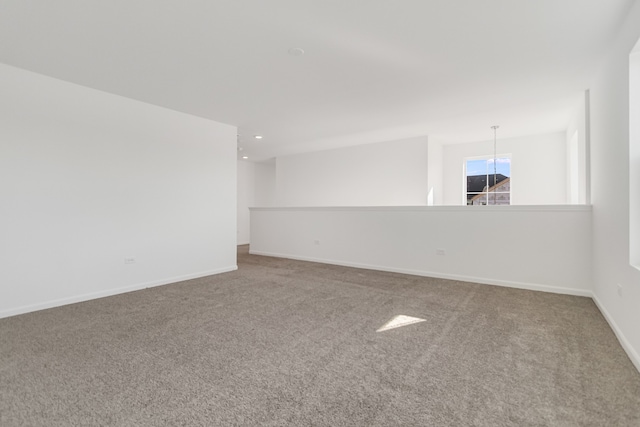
[[265, 183], [610, 188], [246, 197], [435, 194], [577, 166], [387, 173], [634, 156], [535, 247], [89, 179], [538, 168], [256, 187]]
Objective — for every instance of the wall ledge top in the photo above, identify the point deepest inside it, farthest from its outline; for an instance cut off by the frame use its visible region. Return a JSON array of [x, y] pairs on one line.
[[429, 209]]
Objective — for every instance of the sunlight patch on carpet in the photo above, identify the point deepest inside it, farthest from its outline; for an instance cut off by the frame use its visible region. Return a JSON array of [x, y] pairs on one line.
[[398, 321]]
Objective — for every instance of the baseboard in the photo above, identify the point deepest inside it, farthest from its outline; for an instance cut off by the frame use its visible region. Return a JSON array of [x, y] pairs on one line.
[[633, 355], [110, 292], [482, 280]]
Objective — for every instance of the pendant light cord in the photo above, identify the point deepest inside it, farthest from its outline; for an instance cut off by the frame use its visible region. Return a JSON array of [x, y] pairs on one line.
[[495, 161]]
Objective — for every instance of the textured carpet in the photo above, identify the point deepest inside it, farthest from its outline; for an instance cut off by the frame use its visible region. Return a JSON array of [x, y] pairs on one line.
[[282, 342]]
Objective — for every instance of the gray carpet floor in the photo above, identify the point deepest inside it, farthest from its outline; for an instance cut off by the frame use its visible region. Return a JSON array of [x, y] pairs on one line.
[[290, 343]]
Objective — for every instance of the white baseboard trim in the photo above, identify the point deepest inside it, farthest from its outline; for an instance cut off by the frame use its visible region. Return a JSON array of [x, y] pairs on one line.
[[633, 355], [110, 292], [482, 280]]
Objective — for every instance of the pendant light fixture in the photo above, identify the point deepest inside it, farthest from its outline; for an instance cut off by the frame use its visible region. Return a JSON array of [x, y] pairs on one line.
[[495, 163]]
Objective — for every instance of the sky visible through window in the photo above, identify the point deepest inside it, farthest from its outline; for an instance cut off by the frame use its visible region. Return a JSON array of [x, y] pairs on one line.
[[485, 167]]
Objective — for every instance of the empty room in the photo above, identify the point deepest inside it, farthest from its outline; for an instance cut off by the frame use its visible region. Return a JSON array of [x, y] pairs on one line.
[[320, 213]]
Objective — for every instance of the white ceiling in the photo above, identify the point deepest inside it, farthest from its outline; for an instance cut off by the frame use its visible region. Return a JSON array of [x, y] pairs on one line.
[[373, 70]]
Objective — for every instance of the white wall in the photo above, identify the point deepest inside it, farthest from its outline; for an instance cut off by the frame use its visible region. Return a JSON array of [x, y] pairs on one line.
[[435, 173], [88, 179], [611, 191], [387, 173], [265, 183], [577, 166], [256, 187], [538, 168], [534, 247], [246, 199], [634, 156]]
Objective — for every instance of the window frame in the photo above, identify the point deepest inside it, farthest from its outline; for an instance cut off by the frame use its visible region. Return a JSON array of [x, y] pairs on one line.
[[486, 157]]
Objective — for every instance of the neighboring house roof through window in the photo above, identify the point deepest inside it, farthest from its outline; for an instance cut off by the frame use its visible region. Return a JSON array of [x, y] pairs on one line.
[[478, 183], [501, 186]]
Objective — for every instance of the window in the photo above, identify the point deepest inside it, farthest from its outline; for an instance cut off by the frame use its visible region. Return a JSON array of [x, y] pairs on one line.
[[486, 183]]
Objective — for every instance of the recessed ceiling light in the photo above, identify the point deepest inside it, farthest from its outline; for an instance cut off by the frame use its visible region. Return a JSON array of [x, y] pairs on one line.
[[257, 136], [296, 51], [245, 157]]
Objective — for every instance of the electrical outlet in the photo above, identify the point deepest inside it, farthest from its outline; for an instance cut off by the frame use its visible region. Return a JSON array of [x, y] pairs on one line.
[[130, 260], [619, 290], [441, 252]]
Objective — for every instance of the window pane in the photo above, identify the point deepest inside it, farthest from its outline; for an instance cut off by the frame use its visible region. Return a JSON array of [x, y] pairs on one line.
[[477, 199], [470, 196], [503, 166], [499, 198], [477, 167], [487, 184]]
